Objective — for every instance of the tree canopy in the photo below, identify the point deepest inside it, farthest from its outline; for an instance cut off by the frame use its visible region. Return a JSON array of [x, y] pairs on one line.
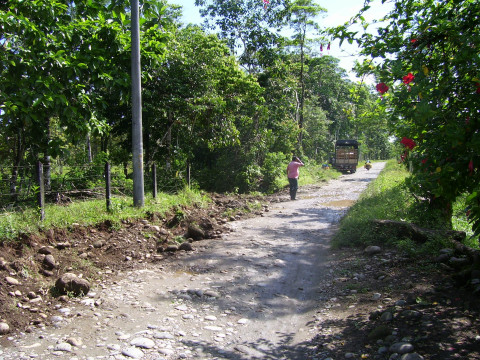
[[233, 103]]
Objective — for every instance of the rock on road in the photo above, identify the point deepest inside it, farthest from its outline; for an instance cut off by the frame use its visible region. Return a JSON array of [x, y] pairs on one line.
[[253, 294]]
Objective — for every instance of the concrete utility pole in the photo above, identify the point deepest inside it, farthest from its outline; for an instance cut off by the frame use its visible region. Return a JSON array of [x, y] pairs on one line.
[[137, 141]]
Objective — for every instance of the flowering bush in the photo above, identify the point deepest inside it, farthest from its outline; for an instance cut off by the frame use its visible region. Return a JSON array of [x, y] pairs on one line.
[[438, 119], [382, 88], [407, 79], [408, 143]]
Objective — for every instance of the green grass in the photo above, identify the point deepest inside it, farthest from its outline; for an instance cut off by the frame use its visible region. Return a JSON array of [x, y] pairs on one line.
[[387, 198], [315, 174], [92, 212], [460, 221]]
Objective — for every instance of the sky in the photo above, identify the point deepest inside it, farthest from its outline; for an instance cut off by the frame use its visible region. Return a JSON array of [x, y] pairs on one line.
[[338, 12]]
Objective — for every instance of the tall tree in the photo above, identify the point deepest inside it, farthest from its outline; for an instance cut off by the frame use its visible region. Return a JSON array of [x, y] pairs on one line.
[[302, 14], [198, 97], [329, 89], [327, 93], [70, 62], [33, 73], [250, 27]]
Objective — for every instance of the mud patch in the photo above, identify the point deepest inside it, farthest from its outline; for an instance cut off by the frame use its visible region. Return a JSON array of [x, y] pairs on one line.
[[339, 203]]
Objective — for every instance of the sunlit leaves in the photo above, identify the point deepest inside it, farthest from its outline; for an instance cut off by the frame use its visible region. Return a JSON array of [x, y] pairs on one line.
[[74, 57], [248, 28]]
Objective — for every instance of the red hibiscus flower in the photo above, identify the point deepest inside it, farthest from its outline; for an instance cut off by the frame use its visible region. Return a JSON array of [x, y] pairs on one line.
[[382, 88], [408, 143], [470, 167], [407, 79]]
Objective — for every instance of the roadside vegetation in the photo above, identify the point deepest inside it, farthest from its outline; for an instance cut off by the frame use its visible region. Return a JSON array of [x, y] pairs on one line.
[[228, 126], [388, 198], [93, 212]]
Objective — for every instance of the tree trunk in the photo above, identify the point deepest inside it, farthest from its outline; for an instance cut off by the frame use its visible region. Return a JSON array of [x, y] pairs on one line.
[[18, 156], [443, 208], [104, 143], [146, 145], [47, 173], [302, 92], [89, 149], [168, 141]]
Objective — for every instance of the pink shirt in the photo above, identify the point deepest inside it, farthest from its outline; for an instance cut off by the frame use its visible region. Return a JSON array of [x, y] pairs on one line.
[[292, 169]]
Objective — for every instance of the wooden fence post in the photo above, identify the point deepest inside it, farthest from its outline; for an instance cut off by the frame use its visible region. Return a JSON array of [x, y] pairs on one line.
[[107, 186], [154, 180], [41, 190]]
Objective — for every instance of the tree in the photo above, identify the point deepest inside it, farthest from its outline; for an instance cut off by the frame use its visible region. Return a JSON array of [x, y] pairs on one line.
[[250, 27], [329, 89], [68, 62], [35, 69], [370, 124], [428, 77], [200, 97], [302, 14]]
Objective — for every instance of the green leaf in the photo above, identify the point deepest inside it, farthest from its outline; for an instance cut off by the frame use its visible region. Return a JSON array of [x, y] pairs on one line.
[[472, 196], [36, 102]]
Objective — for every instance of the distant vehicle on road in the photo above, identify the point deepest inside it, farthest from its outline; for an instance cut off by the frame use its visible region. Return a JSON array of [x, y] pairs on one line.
[[346, 156]]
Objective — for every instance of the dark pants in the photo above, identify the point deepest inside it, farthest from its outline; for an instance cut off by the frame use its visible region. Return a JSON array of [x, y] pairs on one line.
[[293, 187]]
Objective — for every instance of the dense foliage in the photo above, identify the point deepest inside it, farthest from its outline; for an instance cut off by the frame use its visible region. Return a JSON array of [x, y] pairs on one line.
[[429, 82], [231, 113]]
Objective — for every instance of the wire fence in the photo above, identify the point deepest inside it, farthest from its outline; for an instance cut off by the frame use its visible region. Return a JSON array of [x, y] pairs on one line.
[[34, 186]]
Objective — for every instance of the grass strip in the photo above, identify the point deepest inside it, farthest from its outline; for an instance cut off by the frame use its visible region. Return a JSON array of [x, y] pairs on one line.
[[387, 198], [93, 212]]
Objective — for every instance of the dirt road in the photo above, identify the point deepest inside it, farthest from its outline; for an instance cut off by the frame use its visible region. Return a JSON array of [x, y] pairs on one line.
[[252, 294]]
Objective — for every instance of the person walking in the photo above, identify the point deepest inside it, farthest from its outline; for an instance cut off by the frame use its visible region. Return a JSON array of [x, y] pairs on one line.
[[292, 174]]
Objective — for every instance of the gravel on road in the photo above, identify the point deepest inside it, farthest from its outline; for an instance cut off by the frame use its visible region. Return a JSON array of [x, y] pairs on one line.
[[254, 293]]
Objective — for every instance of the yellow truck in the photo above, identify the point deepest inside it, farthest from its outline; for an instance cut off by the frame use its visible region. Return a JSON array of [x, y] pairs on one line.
[[346, 156]]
